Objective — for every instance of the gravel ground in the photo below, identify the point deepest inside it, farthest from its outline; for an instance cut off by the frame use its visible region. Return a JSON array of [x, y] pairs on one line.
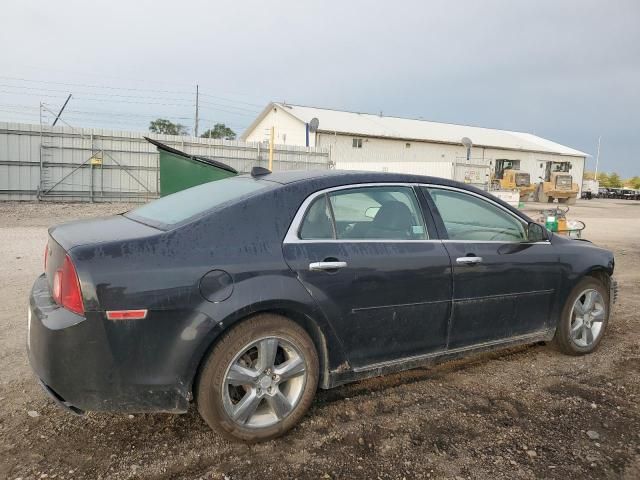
[[529, 412]]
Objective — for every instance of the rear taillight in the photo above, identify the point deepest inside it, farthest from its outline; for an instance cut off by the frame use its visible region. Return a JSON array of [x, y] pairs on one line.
[[66, 287]]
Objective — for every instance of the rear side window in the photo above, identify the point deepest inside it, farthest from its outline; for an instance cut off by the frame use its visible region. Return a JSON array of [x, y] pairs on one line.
[[467, 217], [194, 201], [365, 213], [317, 224]]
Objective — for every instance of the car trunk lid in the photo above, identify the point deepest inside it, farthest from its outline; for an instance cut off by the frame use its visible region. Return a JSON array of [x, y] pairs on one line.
[[63, 238]]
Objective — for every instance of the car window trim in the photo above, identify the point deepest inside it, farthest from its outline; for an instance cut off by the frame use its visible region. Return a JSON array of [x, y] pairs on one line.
[[293, 233], [436, 212], [329, 205]]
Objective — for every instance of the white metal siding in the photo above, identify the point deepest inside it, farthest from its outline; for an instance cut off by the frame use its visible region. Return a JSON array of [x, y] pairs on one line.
[[393, 128], [288, 130], [435, 159]]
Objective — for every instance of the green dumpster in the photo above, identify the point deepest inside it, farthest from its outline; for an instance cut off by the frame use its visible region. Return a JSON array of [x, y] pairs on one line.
[[179, 170]]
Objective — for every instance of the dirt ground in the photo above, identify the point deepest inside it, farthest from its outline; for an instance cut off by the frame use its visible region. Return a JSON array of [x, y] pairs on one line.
[[521, 413]]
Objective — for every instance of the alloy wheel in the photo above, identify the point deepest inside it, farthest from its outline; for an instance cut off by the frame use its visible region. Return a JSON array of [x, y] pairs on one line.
[[587, 315], [264, 382]]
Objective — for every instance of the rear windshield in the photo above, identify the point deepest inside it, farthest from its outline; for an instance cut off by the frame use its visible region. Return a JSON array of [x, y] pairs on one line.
[[193, 202]]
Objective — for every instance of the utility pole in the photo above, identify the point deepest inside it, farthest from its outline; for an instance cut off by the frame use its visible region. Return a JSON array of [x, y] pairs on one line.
[[61, 110], [271, 149], [597, 158], [196, 122]]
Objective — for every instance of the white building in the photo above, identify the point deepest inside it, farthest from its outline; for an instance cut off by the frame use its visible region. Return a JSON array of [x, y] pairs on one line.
[[361, 141]]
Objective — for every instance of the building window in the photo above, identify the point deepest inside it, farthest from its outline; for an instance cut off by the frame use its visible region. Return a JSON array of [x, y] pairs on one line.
[[357, 143], [407, 145]]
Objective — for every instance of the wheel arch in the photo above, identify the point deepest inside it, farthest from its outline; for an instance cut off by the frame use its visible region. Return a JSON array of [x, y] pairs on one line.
[[600, 273], [328, 348]]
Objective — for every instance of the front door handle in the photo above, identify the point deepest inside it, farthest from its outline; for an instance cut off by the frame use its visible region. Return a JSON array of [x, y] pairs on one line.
[[324, 266], [468, 260]]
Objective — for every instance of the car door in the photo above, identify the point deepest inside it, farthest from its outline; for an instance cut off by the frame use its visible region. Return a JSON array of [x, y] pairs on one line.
[[503, 285], [366, 254]]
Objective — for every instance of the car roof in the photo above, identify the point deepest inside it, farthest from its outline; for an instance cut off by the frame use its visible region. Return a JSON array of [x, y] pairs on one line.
[[285, 177], [314, 180]]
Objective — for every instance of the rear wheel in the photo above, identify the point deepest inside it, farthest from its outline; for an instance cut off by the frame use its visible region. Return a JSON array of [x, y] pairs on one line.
[[259, 379], [584, 318]]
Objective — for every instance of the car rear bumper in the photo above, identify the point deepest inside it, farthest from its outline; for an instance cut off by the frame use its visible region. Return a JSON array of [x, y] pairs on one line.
[[78, 360]]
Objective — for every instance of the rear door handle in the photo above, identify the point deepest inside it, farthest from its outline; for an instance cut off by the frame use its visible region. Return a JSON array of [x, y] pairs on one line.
[[324, 266], [468, 260]]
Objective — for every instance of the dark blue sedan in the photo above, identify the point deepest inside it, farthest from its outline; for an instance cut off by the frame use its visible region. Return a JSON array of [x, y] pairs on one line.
[[247, 294]]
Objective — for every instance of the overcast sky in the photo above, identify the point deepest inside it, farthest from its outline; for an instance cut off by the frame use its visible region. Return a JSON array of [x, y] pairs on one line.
[[565, 70]]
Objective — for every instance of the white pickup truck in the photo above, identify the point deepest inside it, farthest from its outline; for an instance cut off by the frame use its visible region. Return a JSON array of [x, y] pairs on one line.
[[590, 189]]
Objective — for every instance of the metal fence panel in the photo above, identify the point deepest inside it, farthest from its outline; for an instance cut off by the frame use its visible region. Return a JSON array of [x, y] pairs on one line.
[[84, 164]]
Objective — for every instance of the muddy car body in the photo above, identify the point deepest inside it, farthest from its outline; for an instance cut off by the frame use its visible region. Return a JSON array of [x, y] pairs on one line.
[[249, 292]]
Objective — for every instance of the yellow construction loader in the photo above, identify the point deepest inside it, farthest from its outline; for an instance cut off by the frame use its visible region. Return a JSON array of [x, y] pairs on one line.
[[508, 177], [557, 183]]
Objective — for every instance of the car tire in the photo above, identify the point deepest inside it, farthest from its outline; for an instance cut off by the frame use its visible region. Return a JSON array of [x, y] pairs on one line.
[[579, 315], [277, 396]]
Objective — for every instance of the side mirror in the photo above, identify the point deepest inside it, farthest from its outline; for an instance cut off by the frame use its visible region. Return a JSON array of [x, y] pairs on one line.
[[536, 232]]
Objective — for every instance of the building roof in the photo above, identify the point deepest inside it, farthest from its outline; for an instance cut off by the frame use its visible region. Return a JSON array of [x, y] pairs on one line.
[[371, 125]]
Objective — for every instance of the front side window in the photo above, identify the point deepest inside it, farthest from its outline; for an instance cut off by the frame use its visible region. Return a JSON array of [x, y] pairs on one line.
[[467, 217], [365, 213]]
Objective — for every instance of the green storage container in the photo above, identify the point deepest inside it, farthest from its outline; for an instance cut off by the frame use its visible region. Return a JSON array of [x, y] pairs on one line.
[[179, 170]]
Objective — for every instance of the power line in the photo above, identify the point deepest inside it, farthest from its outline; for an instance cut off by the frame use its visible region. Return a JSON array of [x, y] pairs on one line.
[[81, 96], [250, 110], [110, 87], [91, 93], [89, 116], [102, 113], [236, 101], [68, 84], [99, 99], [102, 117]]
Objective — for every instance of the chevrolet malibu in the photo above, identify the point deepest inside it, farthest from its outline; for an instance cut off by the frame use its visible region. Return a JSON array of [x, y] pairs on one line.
[[245, 295]]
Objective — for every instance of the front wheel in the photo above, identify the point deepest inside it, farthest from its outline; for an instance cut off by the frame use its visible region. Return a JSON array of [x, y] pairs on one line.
[[584, 318], [259, 379]]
